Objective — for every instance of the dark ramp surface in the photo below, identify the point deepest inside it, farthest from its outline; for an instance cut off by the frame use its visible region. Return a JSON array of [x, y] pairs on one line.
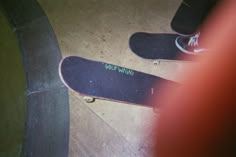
[[46, 131], [12, 87], [156, 46], [103, 80]]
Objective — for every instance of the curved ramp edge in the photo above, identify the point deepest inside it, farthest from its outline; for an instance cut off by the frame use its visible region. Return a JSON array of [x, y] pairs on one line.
[[47, 117]]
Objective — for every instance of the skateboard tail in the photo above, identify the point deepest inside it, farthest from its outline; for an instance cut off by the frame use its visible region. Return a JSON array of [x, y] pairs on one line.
[[61, 77]]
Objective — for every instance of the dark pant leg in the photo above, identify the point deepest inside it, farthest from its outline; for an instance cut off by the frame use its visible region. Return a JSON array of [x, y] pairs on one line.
[[191, 14], [202, 8]]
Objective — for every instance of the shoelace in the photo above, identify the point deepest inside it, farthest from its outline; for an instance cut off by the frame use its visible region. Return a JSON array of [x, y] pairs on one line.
[[193, 41]]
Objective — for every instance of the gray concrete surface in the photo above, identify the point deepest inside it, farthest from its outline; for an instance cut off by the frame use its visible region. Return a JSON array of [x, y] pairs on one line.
[[100, 30]]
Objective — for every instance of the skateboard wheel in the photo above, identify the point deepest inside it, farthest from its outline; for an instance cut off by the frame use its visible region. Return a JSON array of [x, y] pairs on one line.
[[156, 62], [89, 99]]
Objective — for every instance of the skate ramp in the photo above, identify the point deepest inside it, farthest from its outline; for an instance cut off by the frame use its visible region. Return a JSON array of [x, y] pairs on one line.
[[12, 87], [34, 103]]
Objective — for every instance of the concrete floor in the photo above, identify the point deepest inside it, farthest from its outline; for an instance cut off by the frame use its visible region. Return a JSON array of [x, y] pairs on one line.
[[100, 30]]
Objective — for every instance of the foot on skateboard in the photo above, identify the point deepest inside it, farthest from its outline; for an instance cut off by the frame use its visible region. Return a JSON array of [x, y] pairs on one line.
[[157, 46]]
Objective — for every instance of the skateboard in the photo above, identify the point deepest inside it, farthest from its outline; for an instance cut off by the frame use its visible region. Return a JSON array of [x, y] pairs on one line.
[[99, 80], [157, 46], [190, 15]]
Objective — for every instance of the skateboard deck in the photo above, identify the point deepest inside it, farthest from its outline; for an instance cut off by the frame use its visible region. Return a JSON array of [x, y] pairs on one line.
[[158, 46], [111, 82], [190, 15]]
